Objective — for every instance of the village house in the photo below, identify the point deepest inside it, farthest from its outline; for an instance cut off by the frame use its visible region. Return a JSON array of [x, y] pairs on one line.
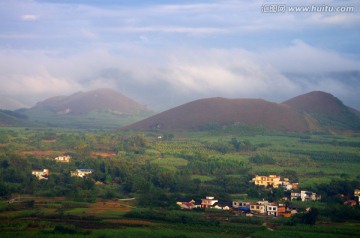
[[241, 206], [309, 196], [281, 210], [287, 185], [187, 203], [208, 202], [274, 181], [223, 205], [259, 207], [81, 172], [294, 209], [266, 181], [41, 174], [295, 195], [272, 209], [63, 159], [305, 196], [237, 204]]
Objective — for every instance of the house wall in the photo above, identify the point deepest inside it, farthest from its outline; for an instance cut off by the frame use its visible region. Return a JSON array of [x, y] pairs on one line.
[[273, 180]]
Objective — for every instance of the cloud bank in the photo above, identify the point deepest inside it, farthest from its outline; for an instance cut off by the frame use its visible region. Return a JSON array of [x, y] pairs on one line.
[[169, 53]]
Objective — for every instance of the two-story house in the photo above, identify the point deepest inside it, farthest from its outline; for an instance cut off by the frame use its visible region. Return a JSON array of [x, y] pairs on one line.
[[309, 196], [259, 207], [272, 209], [208, 202], [237, 204], [265, 181]]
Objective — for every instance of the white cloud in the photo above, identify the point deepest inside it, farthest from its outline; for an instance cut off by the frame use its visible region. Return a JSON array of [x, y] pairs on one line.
[[186, 71], [29, 17], [89, 34], [303, 58], [159, 46]]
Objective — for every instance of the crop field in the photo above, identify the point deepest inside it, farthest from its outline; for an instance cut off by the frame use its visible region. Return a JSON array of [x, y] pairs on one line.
[[149, 173], [307, 155]]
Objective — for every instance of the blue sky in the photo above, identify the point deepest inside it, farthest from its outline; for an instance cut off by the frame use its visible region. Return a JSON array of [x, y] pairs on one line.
[[165, 53]]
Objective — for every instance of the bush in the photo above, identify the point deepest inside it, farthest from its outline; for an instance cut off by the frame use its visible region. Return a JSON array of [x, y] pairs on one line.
[[262, 159]]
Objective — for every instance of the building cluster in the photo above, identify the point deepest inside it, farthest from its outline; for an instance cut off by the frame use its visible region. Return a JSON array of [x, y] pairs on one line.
[[44, 174], [274, 181], [236, 206], [262, 207]]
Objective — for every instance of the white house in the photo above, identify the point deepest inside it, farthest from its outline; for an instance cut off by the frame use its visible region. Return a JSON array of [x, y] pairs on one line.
[[64, 159], [272, 210], [309, 196], [287, 185], [41, 174], [81, 172]]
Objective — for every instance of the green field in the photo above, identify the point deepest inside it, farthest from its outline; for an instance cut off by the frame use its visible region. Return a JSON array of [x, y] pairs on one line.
[[153, 172]]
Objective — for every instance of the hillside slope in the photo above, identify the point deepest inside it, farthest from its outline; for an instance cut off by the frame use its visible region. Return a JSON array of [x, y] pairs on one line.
[[315, 111], [101, 108], [328, 110], [7, 103], [96, 100], [10, 118], [224, 111]]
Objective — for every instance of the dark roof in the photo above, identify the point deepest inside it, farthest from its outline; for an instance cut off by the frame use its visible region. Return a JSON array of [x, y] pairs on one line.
[[87, 170], [223, 204], [245, 209]]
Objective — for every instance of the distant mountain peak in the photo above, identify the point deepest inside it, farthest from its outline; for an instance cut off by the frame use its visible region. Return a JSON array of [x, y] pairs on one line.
[[316, 102], [314, 111], [327, 109], [8, 103], [222, 111], [95, 100]]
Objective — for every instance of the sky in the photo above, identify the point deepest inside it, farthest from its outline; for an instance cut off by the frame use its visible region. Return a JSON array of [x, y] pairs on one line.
[[166, 53]]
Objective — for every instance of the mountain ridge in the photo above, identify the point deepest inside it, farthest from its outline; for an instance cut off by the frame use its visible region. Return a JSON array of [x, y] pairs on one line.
[[292, 115]]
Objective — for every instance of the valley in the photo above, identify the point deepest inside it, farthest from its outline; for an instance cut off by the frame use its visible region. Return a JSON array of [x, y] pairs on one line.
[[99, 169], [138, 177]]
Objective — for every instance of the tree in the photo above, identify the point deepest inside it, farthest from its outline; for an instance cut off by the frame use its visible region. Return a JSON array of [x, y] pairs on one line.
[[310, 217], [279, 193], [235, 143]]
